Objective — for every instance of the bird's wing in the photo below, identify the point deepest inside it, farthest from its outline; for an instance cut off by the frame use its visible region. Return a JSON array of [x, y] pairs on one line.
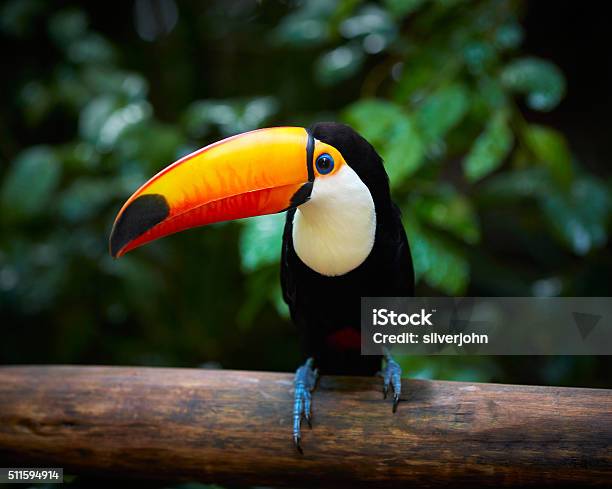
[[288, 284], [403, 257]]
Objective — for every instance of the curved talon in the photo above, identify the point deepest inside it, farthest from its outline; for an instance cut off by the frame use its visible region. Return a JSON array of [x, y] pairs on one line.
[[396, 400], [297, 441]]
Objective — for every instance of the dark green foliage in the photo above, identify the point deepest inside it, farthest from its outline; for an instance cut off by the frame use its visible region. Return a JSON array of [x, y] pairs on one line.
[[493, 204]]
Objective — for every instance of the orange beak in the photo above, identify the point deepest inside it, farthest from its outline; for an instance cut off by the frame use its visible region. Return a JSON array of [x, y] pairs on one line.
[[255, 173]]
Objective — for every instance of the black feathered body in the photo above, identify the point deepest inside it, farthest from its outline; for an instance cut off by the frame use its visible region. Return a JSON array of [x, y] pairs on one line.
[[326, 310]]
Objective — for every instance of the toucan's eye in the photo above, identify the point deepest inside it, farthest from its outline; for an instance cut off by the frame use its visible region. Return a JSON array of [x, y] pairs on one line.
[[325, 164]]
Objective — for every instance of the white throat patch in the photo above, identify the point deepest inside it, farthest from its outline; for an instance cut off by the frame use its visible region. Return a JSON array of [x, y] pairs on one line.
[[333, 233]]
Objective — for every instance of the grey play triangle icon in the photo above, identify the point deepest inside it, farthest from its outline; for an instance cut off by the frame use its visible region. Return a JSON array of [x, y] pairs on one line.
[[585, 323]]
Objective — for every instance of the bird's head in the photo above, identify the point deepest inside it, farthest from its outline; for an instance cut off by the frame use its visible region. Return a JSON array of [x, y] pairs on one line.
[[259, 172]]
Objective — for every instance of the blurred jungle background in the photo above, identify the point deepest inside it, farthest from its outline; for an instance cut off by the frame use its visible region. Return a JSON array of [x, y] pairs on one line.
[[493, 118]]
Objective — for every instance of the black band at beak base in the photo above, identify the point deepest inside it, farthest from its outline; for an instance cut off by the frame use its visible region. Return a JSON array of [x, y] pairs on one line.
[[310, 156]]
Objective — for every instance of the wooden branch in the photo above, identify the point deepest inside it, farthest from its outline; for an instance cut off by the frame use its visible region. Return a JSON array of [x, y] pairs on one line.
[[235, 427]]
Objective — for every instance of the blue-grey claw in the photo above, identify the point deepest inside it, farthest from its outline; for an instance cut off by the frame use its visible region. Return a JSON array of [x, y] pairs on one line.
[[305, 381], [392, 377], [297, 441]]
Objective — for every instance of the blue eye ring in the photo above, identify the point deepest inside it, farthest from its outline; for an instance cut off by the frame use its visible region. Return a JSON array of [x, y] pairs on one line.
[[324, 163]]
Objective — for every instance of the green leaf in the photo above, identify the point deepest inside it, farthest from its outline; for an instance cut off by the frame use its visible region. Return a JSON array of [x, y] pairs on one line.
[[414, 78], [373, 25], [450, 211], [202, 115], [442, 110], [540, 80], [373, 118], [151, 143], [491, 97], [260, 241], [261, 288], [401, 8], [307, 25], [479, 56], [31, 180], [489, 150], [94, 115], [442, 265], [509, 36], [107, 81], [104, 119], [67, 26], [580, 217], [91, 49], [550, 148], [387, 126], [338, 64], [517, 184], [256, 111], [404, 151], [230, 116], [370, 19]]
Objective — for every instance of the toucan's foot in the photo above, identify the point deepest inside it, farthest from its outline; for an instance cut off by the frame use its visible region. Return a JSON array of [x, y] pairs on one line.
[[305, 380], [392, 377]]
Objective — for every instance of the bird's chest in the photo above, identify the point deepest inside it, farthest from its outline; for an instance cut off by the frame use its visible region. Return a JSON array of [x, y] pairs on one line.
[[334, 302], [334, 232]]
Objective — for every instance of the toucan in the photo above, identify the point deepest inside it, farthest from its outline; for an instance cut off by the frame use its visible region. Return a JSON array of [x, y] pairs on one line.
[[343, 237]]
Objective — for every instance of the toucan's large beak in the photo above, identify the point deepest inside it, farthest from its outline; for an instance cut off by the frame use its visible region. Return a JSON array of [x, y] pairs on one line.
[[255, 173]]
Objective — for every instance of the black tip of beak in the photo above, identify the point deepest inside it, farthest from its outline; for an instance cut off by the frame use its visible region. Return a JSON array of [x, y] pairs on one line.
[[141, 215]]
